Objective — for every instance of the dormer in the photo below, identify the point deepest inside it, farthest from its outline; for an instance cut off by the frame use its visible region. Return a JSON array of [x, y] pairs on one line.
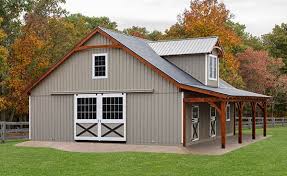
[[197, 56]]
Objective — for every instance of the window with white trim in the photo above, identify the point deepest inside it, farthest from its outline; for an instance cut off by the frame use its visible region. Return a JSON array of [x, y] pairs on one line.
[[87, 108], [100, 66], [113, 108], [228, 112], [212, 111], [212, 67]]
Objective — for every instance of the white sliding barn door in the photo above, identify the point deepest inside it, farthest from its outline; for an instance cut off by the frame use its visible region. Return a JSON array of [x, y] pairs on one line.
[[100, 117]]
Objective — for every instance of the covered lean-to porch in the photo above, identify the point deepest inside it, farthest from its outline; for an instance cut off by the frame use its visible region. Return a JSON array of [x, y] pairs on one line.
[[207, 118]]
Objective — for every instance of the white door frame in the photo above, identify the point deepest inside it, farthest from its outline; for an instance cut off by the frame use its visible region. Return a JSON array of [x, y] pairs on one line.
[[195, 121], [212, 119], [99, 119]]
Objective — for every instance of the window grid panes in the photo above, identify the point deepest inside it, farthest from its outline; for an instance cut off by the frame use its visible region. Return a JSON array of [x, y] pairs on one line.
[[195, 112], [212, 67], [228, 112], [212, 111], [113, 108], [87, 108], [100, 66]]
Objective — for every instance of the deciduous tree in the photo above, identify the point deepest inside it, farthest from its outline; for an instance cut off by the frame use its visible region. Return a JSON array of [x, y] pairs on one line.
[[276, 43], [209, 18]]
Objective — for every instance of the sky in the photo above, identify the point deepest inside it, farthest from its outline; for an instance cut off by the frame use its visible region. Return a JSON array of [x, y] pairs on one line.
[[259, 16]]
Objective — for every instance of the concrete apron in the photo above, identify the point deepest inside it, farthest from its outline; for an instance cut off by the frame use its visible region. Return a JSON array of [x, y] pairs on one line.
[[205, 148]]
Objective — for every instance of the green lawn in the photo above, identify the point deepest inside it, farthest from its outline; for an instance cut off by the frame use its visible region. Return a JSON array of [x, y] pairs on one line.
[[268, 157]]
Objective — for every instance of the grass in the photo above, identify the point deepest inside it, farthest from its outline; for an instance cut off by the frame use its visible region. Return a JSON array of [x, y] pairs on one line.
[[267, 157]]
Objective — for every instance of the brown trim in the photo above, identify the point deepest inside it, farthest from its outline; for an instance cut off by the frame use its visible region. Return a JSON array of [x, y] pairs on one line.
[[240, 114], [198, 90], [234, 120], [223, 123], [265, 119], [184, 125], [253, 107], [202, 100], [96, 46]]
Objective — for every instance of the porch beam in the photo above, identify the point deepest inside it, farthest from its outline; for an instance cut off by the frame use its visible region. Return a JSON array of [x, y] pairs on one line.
[[223, 123], [201, 100], [234, 120], [240, 114], [253, 107]]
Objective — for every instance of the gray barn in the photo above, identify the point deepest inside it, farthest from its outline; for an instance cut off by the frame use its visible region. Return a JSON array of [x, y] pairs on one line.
[[114, 87]]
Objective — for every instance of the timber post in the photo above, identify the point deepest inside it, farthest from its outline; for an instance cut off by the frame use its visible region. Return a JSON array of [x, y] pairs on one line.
[[184, 124], [240, 114], [253, 106], [223, 123], [265, 118]]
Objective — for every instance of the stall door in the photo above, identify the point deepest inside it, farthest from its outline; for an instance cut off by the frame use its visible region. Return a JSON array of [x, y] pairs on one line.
[[100, 117], [212, 126], [195, 123]]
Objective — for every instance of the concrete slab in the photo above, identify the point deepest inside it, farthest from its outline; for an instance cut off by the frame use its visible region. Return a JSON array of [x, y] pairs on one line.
[[205, 148], [214, 147]]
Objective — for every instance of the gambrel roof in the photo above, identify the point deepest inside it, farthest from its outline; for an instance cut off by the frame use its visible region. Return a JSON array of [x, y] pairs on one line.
[[145, 51]]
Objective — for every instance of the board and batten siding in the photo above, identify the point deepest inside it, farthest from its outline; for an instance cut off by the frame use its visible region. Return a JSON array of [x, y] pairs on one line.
[[192, 64], [204, 122], [152, 118], [195, 65]]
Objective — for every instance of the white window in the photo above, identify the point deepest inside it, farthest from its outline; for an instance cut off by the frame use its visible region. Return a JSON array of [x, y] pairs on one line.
[[212, 67], [228, 113], [100, 66], [212, 112]]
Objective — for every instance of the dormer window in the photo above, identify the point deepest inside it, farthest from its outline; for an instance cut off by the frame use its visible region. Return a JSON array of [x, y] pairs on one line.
[[212, 67], [100, 66]]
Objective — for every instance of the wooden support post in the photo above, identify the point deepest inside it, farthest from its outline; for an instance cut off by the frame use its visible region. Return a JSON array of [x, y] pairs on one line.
[[184, 124], [253, 107], [234, 121], [3, 130], [240, 113], [265, 118], [223, 123]]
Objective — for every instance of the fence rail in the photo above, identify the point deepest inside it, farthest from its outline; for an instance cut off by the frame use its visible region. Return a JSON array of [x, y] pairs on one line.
[[13, 130], [271, 121]]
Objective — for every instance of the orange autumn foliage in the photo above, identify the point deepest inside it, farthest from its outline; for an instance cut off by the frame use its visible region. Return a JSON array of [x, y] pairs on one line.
[[209, 18], [26, 63]]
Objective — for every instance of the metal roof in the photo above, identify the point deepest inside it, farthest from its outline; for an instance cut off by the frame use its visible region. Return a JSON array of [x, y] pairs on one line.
[[185, 46], [143, 49]]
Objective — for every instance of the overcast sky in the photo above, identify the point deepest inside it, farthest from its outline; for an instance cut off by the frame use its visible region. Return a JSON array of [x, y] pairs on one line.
[[259, 16]]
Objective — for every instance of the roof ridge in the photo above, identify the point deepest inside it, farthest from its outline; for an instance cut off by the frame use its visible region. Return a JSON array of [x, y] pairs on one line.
[[183, 39], [122, 33]]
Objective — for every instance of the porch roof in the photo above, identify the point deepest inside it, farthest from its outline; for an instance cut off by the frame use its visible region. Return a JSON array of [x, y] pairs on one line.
[[227, 89]]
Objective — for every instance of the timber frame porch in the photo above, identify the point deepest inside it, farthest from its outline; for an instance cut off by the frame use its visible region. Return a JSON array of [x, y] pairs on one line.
[[220, 105]]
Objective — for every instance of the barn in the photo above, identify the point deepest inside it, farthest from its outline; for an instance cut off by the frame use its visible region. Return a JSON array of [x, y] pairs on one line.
[[119, 88]]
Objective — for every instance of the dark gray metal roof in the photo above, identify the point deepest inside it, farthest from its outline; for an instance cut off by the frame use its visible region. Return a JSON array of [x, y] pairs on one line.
[[142, 48], [184, 46]]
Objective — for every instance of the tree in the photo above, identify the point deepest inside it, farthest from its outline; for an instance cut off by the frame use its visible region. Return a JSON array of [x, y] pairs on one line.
[[208, 18], [276, 43], [261, 73], [136, 31], [142, 32], [30, 53], [248, 40], [3, 71], [10, 12]]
